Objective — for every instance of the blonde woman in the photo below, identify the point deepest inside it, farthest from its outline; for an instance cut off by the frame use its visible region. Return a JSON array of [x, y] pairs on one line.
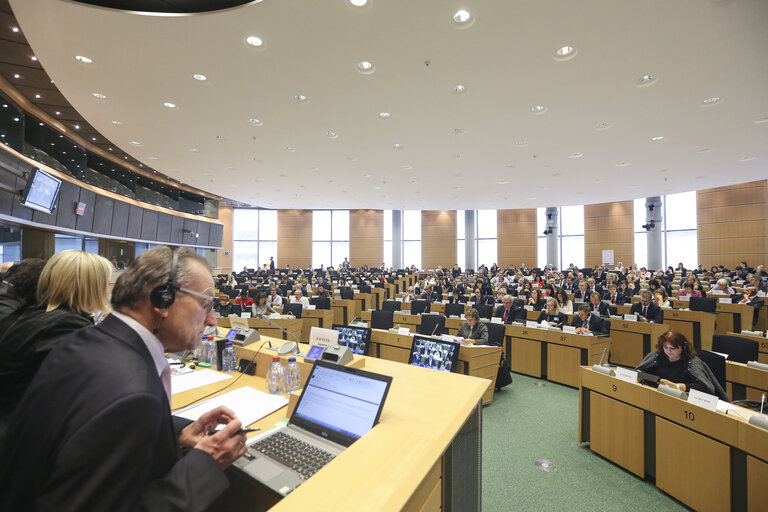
[[551, 314], [72, 288]]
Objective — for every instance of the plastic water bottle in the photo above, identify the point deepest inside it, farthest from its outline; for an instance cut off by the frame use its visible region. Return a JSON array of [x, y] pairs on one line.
[[209, 352], [276, 376], [228, 358], [292, 375]]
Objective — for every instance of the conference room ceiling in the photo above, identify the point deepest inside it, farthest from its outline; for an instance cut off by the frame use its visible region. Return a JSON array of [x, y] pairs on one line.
[[481, 114]]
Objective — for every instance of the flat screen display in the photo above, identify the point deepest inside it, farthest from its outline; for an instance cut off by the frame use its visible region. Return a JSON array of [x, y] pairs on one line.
[[356, 338], [41, 191], [435, 354], [315, 352], [231, 334]]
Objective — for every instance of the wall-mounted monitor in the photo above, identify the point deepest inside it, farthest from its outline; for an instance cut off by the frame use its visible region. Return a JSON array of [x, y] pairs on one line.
[[41, 192]]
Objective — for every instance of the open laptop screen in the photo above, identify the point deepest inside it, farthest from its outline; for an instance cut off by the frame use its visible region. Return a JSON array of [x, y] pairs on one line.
[[341, 403]]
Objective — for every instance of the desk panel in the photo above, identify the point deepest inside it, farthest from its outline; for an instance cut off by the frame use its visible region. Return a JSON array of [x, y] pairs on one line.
[[694, 325], [757, 490], [617, 433], [631, 341]]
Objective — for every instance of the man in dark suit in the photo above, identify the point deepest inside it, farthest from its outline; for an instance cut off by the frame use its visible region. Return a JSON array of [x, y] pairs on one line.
[[586, 322], [598, 306], [614, 295], [94, 430], [507, 311], [646, 310]]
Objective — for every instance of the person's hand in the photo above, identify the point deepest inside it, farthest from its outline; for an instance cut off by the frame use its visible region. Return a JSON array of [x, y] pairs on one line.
[[226, 445], [642, 319], [553, 324], [196, 431], [469, 341], [669, 383]]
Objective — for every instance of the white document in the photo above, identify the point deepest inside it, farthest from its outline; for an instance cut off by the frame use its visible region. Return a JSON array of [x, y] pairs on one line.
[[528, 307], [361, 324], [399, 299], [447, 337], [630, 317], [496, 320], [245, 315], [724, 300], [702, 399], [544, 324], [403, 330], [684, 298], [626, 375], [531, 324], [248, 404], [274, 315], [569, 329], [311, 307], [194, 379]]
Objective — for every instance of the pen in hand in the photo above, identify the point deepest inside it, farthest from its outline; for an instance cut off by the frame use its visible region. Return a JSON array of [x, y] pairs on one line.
[[212, 431]]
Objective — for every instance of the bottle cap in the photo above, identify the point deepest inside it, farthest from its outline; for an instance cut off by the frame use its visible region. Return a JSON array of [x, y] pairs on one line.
[[275, 358], [228, 344], [291, 359]]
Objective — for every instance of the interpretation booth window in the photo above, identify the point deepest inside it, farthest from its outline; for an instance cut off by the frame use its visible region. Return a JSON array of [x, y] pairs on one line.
[[254, 234], [330, 237]]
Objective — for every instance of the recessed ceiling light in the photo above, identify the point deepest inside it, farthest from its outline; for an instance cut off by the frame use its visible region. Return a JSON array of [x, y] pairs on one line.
[[254, 41], [397, 146], [98, 96], [37, 96], [510, 166], [458, 89], [646, 79], [58, 113], [34, 58], [714, 100], [622, 164], [199, 77], [358, 3], [168, 104], [577, 154], [77, 127], [658, 138], [384, 115], [365, 175], [502, 182], [300, 98], [538, 109], [16, 75], [761, 119], [365, 67], [603, 126], [565, 52], [290, 149], [93, 138], [116, 123], [109, 149], [83, 59], [135, 143], [745, 158], [407, 167], [663, 171], [704, 150], [458, 131], [331, 135], [521, 143], [461, 16], [15, 29], [377, 187], [255, 122], [700, 177], [194, 150]]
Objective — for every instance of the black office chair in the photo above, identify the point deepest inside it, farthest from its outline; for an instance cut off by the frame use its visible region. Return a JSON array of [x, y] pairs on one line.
[[702, 304], [321, 302], [392, 305], [382, 319], [347, 293], [496, 333], [484, 310], [237, 310], [233, 294], [378, 285], [716, 363], [432, 325], [454, 309], [740, 350], [294, 309], [364, 289], [419, 306]]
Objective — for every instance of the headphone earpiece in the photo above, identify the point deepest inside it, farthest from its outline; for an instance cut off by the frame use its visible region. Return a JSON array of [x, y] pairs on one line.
[[162, 296]]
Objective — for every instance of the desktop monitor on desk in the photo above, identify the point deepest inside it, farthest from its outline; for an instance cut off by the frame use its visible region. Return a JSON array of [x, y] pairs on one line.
[[356, 338], [435, 354]]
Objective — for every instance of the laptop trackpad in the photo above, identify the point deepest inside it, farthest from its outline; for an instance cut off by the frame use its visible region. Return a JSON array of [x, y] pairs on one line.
[[263, 469]]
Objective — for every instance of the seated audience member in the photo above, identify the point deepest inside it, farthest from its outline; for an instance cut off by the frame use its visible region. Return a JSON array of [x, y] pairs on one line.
[[298, 298], [598, 306], [614, 295], [536, 300], [587, 322], [688, 290], [231, 281], [676, 364], [750, 298], [551, 314], [721, 288], [260, 305], [274, 299], [646, 310], [410, 295], [98, 412], [756, 281], [65, 305], [473, 331], [321, 291], [20, 290], [457, 297], [430, 295], [526, 290], [661, 299], [224, 308], [582, 292], [566, 304], [507, 311], [481, 299], [244, 301]]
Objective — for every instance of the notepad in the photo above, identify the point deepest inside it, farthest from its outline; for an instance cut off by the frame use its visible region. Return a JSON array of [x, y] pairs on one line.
[[248, 404], [194, 379]]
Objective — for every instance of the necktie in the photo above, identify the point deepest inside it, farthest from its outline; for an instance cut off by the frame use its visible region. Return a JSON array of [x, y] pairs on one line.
[[165, 376], [506, 312], [586, 323], [645, 311], [613, 299]]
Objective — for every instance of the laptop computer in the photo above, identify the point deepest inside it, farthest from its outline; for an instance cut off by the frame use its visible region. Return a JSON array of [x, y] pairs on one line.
[[337, 406]]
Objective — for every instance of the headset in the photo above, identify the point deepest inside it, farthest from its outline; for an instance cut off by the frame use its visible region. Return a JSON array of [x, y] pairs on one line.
[[162, 296]]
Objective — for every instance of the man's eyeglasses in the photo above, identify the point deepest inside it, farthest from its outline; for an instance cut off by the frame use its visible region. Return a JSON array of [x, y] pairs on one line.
[[210, 300]]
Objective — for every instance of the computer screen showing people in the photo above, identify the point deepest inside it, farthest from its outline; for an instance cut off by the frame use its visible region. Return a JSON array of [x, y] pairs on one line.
[[435, 354], [356, 338]]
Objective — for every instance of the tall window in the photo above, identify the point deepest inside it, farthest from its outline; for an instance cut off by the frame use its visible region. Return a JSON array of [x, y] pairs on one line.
[[571, 240], [461, 237], [541, 239], [679, 241], [330, 237], [486, 237], [63, 242], [411, 223], [388, 238], [254, 237]]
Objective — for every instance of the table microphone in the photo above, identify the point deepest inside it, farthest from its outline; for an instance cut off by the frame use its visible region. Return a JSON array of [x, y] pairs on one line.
[[270, 322], [760, 420]]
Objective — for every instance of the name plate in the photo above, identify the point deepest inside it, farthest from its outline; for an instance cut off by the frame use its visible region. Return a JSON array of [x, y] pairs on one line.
[[399, 299], [535, 285], [531, 324], [238, 322], [360, 324], [702, 399], [496, 320], [528, 307], [578, 301], [569, 329], [403, 330], [470, 303], [725, 300], [626, 375], [684, 298], [311, 307], [245, 315], [355, 291], [630, 317], [446, 337], [462, 317], [274, 315]]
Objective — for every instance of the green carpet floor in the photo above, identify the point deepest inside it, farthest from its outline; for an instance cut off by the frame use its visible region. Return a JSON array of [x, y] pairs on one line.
[[525, 423]]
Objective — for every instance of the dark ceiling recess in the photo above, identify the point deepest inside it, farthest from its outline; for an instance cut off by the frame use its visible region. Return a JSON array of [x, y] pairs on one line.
[[174, 6]]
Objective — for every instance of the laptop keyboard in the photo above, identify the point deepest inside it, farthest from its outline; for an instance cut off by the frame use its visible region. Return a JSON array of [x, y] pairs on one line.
[[299, 456]]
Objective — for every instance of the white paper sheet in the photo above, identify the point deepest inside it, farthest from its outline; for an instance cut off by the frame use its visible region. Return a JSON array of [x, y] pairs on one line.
[[248, 404], [191, 380]]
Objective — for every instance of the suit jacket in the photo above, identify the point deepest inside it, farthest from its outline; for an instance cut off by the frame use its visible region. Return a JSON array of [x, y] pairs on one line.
[[653, 315], [430, 297], [620, 299], [757, 303], [602, 309], [577, 294], [559, 319], [94, 432], [596, 324], [511, 316]]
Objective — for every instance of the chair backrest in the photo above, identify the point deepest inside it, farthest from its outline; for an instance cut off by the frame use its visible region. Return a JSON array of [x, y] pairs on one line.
[[419, 306], [716, 363], [432, 324], [321, 302], [237, 310], [454, 309], [364, 288], [496, 334], [378, 285], [484, 310], [382, 319], [740, 350], [347, 293], [392, 305], [294, 309], [702, 304]]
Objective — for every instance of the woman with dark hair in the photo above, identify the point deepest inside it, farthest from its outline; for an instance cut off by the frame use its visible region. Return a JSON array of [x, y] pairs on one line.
[[261, 306], [566, 306], [676, 364], [536, 300]]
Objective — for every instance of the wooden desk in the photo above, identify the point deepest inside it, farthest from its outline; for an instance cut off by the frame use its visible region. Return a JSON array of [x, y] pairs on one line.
[[265, 328], [744, 382], [762, 356], [421, 456], [315, 318], [631, 341], [696, 326], [733, 317], [723, 457], [344, 310]]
